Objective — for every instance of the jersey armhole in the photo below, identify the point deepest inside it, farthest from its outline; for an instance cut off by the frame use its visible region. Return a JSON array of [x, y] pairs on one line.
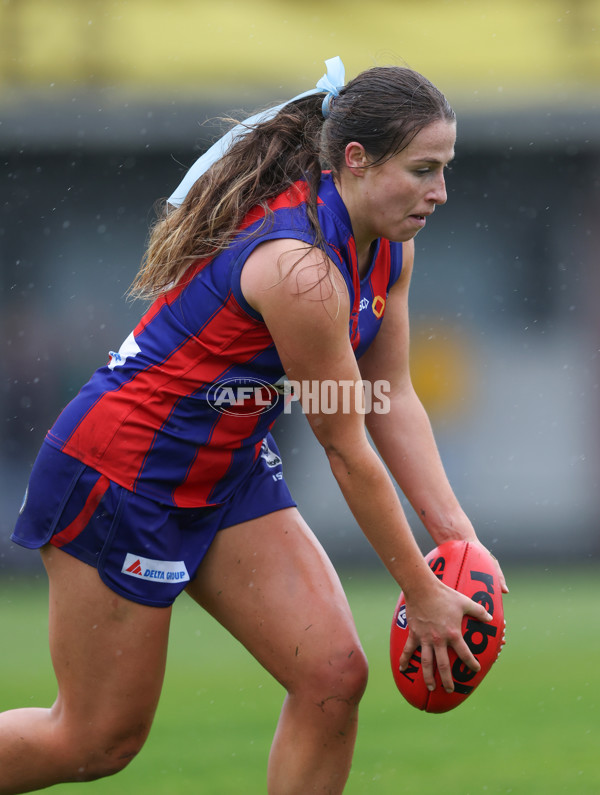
[[396, 261]]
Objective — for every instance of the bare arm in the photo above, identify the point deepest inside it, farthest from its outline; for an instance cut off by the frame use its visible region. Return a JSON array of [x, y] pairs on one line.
[[306, 308], [404, 436]]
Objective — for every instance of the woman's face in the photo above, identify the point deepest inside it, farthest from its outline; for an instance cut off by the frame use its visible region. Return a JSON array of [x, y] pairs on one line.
[[397, 196]]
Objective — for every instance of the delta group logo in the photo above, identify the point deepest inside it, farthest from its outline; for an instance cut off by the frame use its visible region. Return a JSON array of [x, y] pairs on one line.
[[243, 396], [160, 571]]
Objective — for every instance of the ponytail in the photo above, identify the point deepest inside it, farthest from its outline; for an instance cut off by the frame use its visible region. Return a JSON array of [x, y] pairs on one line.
[[257, 167], [382, 108]]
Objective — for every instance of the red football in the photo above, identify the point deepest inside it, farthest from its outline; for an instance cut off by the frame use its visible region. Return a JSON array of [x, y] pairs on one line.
[[470, 569]]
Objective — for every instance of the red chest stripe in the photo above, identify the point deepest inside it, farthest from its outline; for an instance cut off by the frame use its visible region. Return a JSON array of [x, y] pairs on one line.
[[141, 407]]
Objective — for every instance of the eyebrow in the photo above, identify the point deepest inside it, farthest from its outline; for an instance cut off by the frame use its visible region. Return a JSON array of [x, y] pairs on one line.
[[433, 160]]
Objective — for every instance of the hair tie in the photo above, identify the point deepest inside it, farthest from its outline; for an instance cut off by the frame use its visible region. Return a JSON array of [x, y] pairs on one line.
[[331, 82]]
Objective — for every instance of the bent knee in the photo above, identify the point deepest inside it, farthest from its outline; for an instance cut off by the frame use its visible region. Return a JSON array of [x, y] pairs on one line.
[[354, 673], [94, 766], [98, 753], [340, 677]]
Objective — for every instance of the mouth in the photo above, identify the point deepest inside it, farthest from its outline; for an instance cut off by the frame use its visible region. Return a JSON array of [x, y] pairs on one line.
[[421, 218]]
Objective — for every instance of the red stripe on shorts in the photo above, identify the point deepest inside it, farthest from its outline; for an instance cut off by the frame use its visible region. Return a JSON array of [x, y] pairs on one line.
[[72, 530]]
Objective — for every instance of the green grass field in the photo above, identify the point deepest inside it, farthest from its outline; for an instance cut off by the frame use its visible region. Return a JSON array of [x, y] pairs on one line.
[[532, 728]]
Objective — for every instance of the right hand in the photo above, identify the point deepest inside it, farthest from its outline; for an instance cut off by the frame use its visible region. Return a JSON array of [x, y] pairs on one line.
[[434, 622]]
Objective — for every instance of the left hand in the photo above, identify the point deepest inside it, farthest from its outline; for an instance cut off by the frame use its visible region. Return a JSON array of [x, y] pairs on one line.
[[501, 577]]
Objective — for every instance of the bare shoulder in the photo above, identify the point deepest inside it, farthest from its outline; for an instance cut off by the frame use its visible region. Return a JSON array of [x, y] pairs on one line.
[[291, 273], [303, 300]]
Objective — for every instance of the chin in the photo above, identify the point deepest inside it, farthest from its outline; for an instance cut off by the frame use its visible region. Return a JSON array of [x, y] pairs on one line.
[[404, 237]]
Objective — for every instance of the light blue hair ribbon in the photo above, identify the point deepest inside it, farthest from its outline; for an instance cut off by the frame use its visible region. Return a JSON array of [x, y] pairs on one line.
[[331, 82]]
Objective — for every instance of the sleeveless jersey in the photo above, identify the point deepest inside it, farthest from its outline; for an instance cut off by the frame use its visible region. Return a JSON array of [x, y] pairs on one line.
[[156, 419]]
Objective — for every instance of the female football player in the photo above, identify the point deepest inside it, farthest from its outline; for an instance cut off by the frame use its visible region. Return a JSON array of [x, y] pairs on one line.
[[280, 265]]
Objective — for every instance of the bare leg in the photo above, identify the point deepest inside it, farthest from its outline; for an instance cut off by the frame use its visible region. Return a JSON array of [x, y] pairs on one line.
[[109, 657], [271, 585]]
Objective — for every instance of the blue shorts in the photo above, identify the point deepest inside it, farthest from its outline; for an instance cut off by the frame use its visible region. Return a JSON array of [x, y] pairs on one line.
[[144, 550]]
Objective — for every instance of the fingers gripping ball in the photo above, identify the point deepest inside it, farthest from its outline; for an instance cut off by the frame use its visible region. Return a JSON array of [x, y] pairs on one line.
[[471, 570]]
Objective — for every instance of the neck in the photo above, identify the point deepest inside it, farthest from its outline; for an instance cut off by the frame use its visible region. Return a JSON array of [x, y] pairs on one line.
[[364, 241]]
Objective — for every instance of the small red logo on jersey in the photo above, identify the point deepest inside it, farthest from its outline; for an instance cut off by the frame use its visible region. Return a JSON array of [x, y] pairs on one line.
[[135, 567]]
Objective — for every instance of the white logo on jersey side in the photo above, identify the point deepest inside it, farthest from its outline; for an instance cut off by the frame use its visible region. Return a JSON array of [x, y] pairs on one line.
[[24, 503], [270, 458], [128, 348]]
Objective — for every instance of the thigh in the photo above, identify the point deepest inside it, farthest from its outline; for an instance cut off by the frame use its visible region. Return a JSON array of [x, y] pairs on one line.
[[270, 583], [108, 653]]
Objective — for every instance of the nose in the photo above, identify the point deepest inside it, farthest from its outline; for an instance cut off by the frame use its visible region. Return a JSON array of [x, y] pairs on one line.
[[437, 193]]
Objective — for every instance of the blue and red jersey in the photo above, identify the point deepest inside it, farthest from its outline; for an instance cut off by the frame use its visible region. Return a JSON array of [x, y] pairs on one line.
[[148, 420]]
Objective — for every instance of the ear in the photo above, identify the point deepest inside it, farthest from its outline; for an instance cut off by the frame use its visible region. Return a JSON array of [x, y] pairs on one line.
[[356, 158]]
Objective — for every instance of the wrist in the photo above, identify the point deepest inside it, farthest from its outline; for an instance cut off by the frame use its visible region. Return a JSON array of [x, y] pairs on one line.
[[451, 526], [419, 585]]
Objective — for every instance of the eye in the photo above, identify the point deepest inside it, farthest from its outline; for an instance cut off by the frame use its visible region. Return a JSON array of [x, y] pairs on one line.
[[434, 168]]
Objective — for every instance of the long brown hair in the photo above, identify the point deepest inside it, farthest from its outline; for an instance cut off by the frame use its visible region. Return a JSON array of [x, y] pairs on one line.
[[383, 108]]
